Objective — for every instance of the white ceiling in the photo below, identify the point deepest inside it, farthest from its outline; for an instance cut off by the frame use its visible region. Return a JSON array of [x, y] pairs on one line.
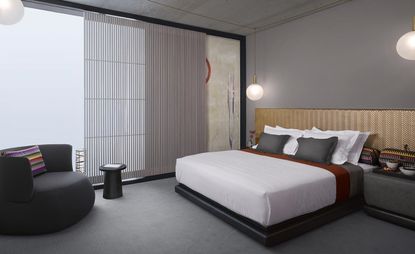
[[234, 16]]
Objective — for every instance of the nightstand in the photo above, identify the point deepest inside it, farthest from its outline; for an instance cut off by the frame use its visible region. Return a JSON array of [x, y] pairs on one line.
[[390, 197]]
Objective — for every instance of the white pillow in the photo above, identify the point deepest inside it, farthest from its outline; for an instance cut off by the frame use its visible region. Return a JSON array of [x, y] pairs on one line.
[[345, 143], [356, 151], [287, 129], [291, 146], [357, 148]]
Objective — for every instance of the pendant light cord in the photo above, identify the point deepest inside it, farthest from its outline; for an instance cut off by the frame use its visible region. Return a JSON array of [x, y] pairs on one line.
[[413, 23], [255, 56]]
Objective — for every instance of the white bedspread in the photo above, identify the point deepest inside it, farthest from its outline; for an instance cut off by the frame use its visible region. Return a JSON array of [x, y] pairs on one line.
[[264, 189]]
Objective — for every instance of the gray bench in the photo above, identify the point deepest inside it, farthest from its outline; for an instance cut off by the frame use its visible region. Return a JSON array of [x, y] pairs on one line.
[[390, 198]]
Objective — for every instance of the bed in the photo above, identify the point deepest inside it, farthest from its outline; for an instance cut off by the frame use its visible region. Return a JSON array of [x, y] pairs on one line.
[[274, 198], [255, 185], [232, 182]]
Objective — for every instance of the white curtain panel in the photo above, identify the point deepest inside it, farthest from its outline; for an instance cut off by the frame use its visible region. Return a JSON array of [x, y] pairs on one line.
[[145, 97]]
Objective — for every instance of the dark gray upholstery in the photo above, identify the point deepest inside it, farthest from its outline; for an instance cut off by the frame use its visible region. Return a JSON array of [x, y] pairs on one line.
[[317, 150], [16, 184], [390, 193], [48, 202], [58, 158], [272, 143]]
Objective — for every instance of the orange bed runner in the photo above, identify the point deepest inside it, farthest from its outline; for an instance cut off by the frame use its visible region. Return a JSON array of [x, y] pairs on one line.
[[341, 174]]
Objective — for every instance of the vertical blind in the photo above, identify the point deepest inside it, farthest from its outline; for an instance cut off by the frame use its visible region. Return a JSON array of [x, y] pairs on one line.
[[144, 95], [176, 109]]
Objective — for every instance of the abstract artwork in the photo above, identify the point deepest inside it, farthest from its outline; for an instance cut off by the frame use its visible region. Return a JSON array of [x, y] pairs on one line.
[[223, 84]]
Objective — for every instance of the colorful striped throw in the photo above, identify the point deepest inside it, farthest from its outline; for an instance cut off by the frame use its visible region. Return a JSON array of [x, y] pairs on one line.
[[369, 156], [34, 156], [404, 157]]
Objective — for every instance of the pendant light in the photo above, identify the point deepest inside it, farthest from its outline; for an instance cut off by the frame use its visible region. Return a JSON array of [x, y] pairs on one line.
[[11, 11], [406, 44], [254, 91]]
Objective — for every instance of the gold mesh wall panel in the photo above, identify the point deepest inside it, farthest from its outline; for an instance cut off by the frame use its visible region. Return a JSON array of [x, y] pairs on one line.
[[389, 127]]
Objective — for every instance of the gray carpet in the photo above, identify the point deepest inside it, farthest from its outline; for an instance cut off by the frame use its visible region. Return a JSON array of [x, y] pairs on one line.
[[152, 218]]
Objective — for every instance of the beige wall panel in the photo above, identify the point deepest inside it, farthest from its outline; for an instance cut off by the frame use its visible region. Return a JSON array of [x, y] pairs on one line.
[[223, 94]]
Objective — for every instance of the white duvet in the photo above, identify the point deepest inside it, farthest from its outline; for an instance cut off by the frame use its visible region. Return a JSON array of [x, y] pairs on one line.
[[264, 189]]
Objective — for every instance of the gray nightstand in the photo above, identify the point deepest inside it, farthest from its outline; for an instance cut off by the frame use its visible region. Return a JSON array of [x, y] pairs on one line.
[[390, 198]]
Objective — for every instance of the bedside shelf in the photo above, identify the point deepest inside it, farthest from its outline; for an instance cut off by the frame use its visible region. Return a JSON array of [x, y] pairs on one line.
[[397, 174], [390, 197]]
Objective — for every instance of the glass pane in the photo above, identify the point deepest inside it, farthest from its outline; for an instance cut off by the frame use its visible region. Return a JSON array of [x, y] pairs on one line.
[[42, 80]]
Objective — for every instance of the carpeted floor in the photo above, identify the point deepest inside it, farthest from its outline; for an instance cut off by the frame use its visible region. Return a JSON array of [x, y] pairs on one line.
[[152, 218]]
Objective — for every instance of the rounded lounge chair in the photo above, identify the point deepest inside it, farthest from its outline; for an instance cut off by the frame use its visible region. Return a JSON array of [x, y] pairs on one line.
[[45, 203]]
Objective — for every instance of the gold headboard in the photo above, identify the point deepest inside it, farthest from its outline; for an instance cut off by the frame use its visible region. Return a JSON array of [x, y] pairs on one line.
[[389, 127]]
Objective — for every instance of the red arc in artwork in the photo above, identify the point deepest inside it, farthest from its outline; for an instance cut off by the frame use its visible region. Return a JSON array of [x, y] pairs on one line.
[[209, 71]]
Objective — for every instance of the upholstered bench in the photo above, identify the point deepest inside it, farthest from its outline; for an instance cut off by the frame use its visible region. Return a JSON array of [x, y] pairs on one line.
[[390, 198], [45, 203]]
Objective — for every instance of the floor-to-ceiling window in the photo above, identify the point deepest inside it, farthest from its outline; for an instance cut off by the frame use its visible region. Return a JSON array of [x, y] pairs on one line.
[[42, 80], [118, 90]]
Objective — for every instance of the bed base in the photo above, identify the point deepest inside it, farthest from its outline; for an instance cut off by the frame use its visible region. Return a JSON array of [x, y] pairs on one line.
[[277, 233]]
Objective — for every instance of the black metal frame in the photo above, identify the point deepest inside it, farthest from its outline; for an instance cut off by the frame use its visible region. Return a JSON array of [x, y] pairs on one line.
[[277, 233], [140, 180], [239, 37]]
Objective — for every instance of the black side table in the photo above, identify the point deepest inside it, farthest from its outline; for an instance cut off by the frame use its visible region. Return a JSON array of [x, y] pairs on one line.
[[112, 181]]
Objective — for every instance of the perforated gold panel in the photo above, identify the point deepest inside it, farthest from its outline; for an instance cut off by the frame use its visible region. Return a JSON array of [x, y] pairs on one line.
[[390, 128]]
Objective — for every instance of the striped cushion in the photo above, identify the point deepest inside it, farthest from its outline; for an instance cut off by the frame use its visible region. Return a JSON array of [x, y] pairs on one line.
[[369, 156], [405, 158], [34, 156]]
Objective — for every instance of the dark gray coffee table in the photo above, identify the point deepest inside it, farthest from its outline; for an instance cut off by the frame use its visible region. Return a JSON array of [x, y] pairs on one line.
[[112, 180]]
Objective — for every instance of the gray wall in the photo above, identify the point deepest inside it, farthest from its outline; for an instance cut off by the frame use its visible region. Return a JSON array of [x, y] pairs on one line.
[[344, 57]]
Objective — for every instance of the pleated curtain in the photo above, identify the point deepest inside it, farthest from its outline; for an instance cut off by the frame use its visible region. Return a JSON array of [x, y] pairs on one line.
[[145, 96]]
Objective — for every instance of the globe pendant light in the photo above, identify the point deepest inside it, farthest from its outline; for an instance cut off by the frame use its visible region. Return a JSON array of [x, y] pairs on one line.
[[254, 91], [406, 44], [11, 11]]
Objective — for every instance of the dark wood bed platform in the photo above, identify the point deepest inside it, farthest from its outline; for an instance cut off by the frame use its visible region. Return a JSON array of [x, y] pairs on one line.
[[277, 233]]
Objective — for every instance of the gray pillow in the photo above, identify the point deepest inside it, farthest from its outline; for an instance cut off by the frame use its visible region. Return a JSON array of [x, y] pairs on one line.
[[317, 150], [272, 143]]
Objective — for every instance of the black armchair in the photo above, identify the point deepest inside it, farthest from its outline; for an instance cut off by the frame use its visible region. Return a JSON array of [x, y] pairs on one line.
[[46, 203]]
